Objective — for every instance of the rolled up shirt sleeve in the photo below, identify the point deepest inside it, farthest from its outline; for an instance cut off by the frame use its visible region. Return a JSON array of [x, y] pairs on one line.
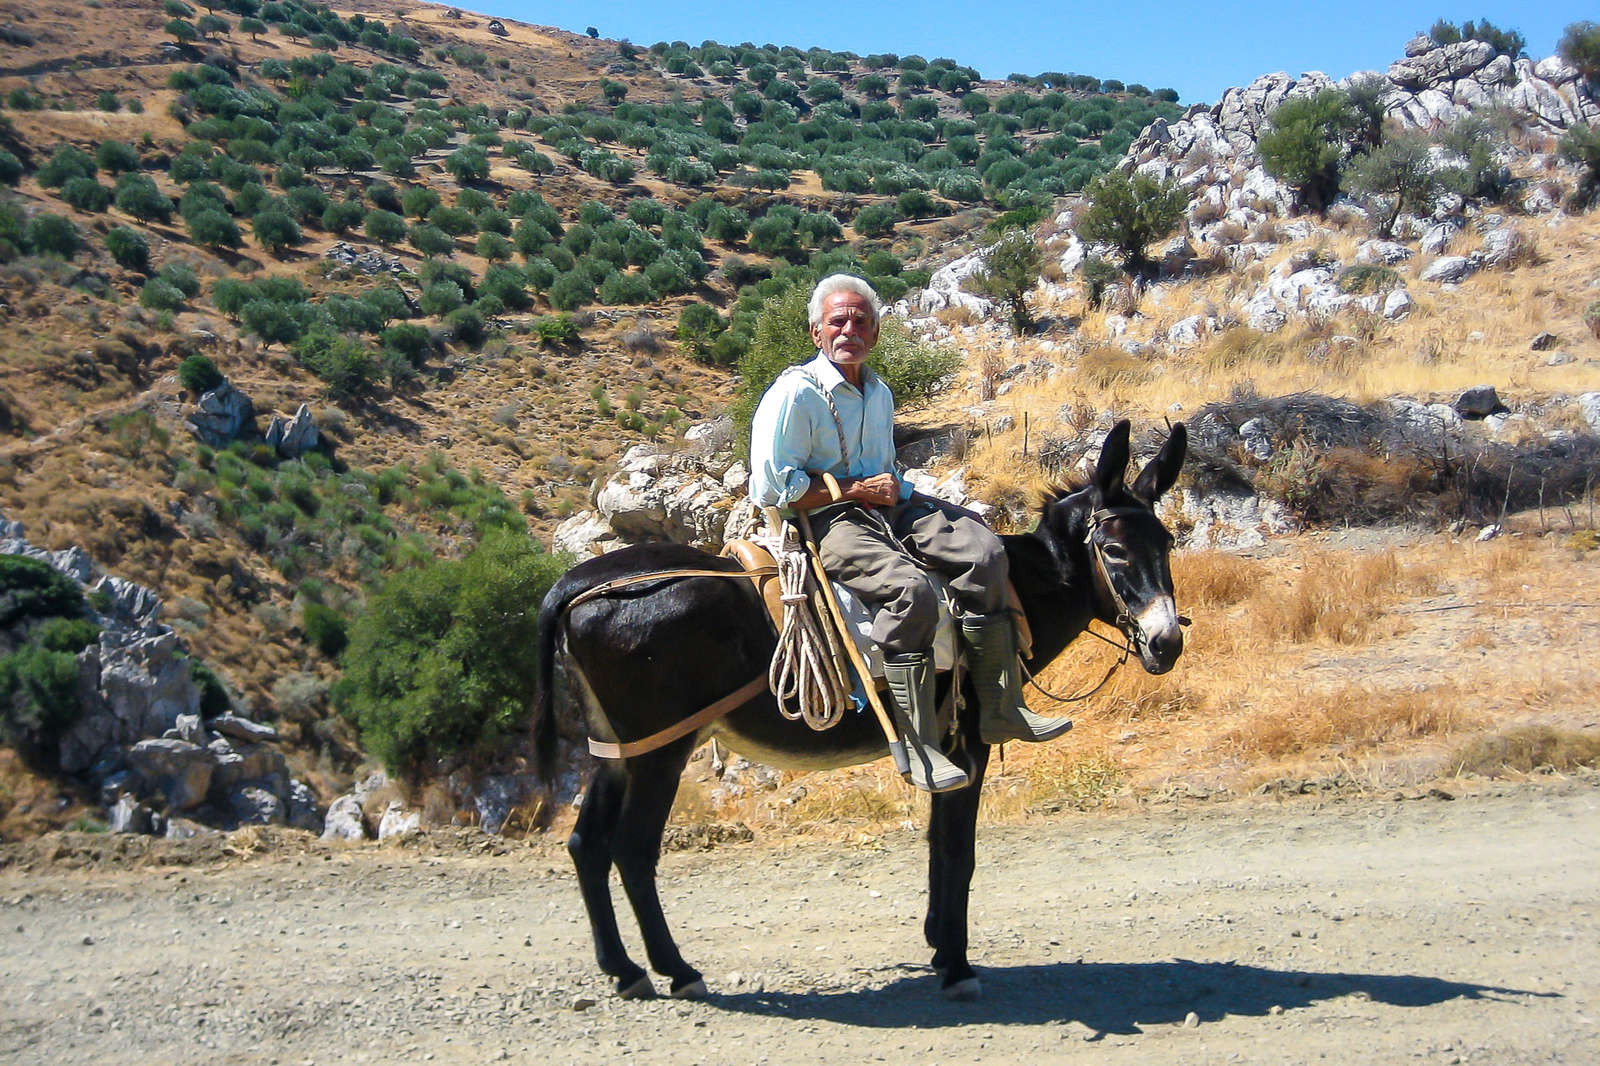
[[780, 445]]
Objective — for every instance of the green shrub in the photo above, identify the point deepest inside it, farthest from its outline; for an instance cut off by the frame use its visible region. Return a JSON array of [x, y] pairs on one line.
[[1306, 143], [139, 196], [555, 330], [128, 248], [1009, 273], [30, 588], [198, 374], [159, 294], [116, 157], [67, 163], [441, 659], [1130, 212], [325, 629], [11, 169], [1580, 46], [86, 194], [699, 326], [51, 234], [214, 697], [38, 697]]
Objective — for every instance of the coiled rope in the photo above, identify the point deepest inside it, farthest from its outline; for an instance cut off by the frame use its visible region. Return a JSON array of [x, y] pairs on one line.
[[806, 670]]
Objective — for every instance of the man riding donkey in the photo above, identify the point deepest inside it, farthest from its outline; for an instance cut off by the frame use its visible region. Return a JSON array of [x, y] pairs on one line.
[[834, 416]]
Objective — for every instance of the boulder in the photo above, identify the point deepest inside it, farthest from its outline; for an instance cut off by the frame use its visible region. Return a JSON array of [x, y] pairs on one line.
[[180, 771], [398, 822], [1397, 305], [1589, 410], [128, 815], [256, 805], [343, 820], [294, 437], [231, 725], [301, 808], [1479, 401], [1448, 270], [1544, 342], [1385, 253], [222, 416]]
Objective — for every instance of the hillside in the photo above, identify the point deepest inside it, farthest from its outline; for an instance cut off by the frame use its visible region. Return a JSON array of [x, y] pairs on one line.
[[487, 259]]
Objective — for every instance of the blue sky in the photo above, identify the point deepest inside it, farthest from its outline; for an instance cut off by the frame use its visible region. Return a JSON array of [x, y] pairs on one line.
[[1199, 49]]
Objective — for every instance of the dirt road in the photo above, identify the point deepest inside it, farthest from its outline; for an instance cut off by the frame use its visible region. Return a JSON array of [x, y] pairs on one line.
[[1367, 931]]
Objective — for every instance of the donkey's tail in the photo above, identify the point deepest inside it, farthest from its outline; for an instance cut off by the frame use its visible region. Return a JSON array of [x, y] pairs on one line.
[[545, 732]]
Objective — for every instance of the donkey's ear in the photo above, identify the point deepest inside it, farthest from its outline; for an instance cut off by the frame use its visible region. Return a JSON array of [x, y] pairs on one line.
[[1161, 472], [1113, 465]]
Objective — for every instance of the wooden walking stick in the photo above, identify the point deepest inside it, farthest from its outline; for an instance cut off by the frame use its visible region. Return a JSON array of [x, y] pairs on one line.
[[897, 747]]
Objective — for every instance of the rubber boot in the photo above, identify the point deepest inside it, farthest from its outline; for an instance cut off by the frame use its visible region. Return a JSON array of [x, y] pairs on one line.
[[997, 677], [910, 679]]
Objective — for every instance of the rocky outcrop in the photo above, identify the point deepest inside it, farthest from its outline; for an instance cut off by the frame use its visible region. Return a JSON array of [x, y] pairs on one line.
[[294, 437], [222, 416], [139, 738]]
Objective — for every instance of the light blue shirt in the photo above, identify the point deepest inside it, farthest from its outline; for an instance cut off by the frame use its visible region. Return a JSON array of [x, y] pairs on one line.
[[793, 432]]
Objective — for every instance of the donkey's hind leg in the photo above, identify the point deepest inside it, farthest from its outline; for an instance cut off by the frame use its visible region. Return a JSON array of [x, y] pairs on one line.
[[591, 846], [652, 784]]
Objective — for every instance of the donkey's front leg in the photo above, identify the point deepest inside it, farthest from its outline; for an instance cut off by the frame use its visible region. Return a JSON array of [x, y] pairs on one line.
[[952, 840]]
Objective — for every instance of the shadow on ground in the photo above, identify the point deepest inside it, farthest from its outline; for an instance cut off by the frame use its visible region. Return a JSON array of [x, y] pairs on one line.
[[1106, 997]]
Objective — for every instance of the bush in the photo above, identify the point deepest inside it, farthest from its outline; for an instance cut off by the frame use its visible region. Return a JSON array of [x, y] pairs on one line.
[[875, 220], [138, 195], [128, 248], [11, 168], [1395, 177], [1506, 42], [214, 229], [571, 291], [158, 294], [30, 588], [343, 362], [1580, 46], [1581, 145], [117, 157], [1130, 212], [385, 227], [275, 229], [38, 698], [86, 194], [325, 629], [699, 326], [67, 163], [408, 340], [1307, 142], [51, 234], [199, 375], [441, 660], [555, 331], [1010, 271]]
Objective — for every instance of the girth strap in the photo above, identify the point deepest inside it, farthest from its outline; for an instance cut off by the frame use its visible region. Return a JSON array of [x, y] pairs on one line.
[[606, 750]]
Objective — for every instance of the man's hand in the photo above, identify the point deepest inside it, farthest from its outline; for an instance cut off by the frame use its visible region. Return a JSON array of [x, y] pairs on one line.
[[880, 490]]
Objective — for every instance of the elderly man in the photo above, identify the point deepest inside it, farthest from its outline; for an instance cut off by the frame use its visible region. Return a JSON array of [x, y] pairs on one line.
[[834, 415]]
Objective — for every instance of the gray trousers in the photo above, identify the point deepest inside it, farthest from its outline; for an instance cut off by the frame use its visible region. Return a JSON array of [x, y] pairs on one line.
[[858, 551]]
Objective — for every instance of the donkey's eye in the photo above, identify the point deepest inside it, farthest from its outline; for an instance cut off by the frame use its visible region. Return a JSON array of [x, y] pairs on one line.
[[1116, 553]]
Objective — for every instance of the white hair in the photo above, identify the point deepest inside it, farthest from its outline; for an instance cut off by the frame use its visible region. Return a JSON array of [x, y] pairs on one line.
[[841, 283]]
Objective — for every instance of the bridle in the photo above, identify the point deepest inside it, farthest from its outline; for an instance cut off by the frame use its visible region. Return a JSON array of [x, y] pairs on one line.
[[1133, 634]]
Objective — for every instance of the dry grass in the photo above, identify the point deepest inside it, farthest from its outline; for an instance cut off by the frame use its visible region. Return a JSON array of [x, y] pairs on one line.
[[1527, 749], [1349, 720]]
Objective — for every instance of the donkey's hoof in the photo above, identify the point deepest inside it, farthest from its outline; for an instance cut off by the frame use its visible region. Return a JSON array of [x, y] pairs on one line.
[[640, 989], [967, 991], [695, 989]]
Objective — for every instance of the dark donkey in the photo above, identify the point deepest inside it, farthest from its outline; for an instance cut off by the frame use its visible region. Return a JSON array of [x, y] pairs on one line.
[[651, 654]]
